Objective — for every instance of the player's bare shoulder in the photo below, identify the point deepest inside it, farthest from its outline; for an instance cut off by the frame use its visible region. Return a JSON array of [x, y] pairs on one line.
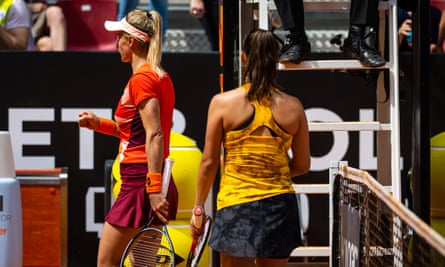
[[287, 103], [287, 111], [229, 98]]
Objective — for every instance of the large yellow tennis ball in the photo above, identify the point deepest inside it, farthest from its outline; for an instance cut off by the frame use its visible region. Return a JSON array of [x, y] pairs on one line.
[[438, 182], [187, 158], [116, 181]]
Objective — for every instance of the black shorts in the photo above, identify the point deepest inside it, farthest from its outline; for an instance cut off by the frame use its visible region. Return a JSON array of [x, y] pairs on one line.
[[267, 228]]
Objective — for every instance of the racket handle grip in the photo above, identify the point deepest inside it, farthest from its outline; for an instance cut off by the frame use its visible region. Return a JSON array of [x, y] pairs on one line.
[[198, 212], [166, 174]]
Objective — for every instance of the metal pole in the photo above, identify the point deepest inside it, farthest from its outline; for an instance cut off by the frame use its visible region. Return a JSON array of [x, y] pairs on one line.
[[420, 106]]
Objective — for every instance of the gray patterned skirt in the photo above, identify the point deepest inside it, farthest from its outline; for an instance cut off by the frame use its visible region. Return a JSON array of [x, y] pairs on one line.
[[267, 228]]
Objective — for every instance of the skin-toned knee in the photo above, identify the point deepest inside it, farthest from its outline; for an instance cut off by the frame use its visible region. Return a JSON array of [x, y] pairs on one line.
[[54, 14], [44, 44]]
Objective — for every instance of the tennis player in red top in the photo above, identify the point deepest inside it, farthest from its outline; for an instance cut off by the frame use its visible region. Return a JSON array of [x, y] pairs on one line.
[[142, 122]]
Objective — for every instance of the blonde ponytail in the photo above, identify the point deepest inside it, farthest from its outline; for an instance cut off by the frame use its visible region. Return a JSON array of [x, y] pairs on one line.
[[154, 55]]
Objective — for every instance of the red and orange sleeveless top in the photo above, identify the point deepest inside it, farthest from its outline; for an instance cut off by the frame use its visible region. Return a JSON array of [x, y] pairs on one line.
[[143, 84]]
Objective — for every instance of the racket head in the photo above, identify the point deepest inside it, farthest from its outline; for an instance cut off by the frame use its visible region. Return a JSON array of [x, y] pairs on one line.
[[198, 245], [149, 247]]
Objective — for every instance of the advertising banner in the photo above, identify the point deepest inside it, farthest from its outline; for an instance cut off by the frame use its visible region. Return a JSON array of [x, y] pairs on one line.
[[42, 94]]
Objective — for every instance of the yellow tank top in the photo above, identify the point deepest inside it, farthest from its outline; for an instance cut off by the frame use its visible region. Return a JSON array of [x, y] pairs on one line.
[[255, 167]]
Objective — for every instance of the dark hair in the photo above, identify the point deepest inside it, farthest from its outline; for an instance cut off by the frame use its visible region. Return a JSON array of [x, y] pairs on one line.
[[262, 50]]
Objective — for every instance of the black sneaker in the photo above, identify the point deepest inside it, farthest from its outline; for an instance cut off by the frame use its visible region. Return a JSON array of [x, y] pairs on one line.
[[295, 49]]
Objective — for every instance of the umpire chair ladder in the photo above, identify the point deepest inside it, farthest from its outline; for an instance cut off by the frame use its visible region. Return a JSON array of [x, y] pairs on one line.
[[387, 124]]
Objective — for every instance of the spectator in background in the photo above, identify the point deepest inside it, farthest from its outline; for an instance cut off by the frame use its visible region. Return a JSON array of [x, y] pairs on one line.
[[161, 6], [405, 30], [15, 26], [207, 12], [48, 26]]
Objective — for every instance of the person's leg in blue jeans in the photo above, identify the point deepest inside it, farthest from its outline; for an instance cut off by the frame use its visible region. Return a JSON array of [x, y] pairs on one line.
[[161, 6], [126, 6]]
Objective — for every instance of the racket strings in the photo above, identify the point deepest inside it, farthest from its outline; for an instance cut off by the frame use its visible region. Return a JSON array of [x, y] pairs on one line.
[[147, 251]]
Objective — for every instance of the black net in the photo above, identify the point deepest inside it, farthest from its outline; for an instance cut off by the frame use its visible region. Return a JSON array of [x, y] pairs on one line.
[[371, 228]]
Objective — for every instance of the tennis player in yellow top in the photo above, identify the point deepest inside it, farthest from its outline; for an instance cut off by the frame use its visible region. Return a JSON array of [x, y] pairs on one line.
[[264, 133]]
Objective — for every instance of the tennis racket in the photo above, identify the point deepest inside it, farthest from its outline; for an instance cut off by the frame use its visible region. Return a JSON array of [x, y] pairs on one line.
[[198, 245], [152, 245]]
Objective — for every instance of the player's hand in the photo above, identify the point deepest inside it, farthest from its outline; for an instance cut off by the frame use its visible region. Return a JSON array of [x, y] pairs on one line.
[[88, 119], [159, 205], [195, 232], [196, 222]]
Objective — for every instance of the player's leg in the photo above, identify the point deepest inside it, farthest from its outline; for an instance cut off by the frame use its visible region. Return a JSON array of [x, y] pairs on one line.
[[112, 244], [266, 262], [230, 261]]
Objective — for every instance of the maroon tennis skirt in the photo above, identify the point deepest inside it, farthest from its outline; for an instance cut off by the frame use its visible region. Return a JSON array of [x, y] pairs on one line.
[[132, 206]]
